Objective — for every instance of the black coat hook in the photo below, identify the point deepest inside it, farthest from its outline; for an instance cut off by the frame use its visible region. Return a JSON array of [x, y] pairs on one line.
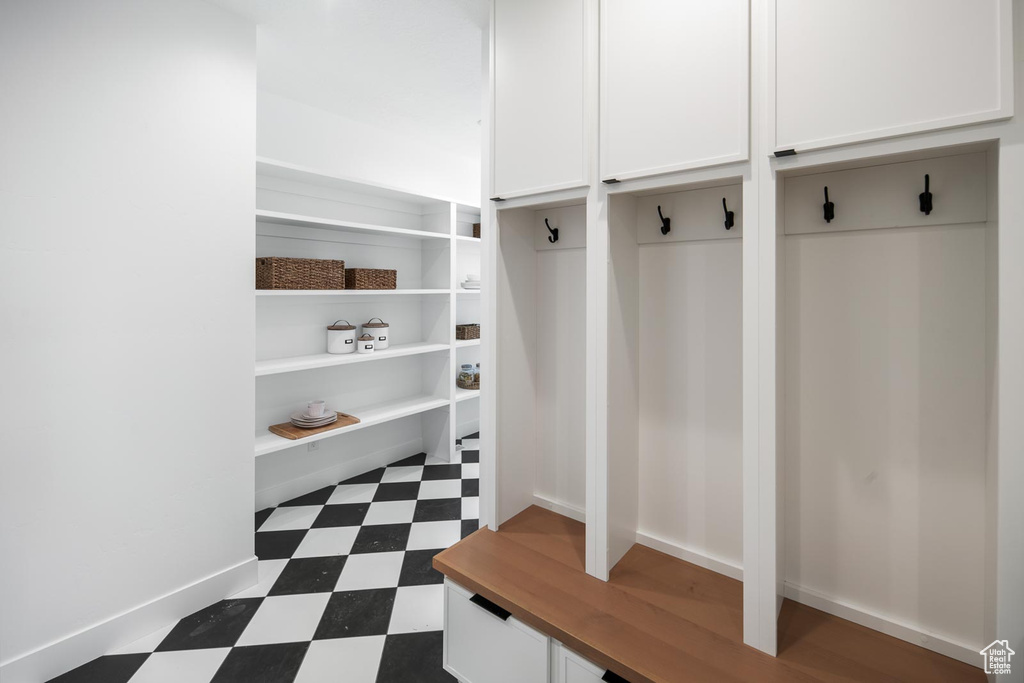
[[554, 232], [730, 216], [666, 223], [830, 208], [926, 197]]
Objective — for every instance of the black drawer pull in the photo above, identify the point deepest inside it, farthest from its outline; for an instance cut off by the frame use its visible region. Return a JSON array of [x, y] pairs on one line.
[[613, 677], [481, 601]]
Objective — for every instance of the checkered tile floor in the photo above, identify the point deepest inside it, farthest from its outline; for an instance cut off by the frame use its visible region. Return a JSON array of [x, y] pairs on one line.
[[346, 589]]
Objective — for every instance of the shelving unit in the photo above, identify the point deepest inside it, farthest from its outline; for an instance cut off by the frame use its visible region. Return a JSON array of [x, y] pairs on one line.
[[409, 386]]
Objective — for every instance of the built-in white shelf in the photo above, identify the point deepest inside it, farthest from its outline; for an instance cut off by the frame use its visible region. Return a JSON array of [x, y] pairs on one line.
[[468, 239], [460, 290], [467, 342], [325, 360], [291, 219], [368, 416], [350, 292], [465, 394]]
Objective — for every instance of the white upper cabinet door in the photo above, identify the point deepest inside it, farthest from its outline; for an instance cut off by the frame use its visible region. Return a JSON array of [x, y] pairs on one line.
[[675, 84], [538, 73], [853, 71]]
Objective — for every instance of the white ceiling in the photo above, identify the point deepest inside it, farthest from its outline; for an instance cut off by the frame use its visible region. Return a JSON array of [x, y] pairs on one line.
[[410, 65]]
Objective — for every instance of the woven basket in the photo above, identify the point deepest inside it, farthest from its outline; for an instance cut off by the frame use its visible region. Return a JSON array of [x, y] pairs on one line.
[[370, 278], [474, 386], [467, 331], [276, 272], [476, 230]]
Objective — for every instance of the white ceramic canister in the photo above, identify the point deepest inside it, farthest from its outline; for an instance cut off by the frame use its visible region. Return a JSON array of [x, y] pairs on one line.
[[365, 344], [341, 337], [380, 331]]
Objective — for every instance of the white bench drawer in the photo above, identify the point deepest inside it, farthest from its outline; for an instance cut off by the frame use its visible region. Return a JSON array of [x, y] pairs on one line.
[[482, 647], [571, 668]]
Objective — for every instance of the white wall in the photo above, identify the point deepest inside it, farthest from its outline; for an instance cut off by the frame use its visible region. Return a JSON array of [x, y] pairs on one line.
[[126, 269], [300, 134]]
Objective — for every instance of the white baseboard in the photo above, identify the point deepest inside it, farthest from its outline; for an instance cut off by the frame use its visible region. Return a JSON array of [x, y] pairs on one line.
[[967, 654], [465, 428], [715, 564], [564, 509], [273, 496], [120, 630]]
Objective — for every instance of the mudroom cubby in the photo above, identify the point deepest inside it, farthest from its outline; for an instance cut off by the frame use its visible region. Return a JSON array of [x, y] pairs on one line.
[[541, 337], [887, 324], [674, 428]]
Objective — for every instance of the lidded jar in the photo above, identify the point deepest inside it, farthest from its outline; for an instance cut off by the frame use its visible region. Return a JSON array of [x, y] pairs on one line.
[[379, 330], [365, 344], [341, 337]]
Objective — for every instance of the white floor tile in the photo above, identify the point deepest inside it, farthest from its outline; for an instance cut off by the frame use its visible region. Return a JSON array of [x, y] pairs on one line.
[[444, 488], [289, 518], [327, 542], [418, 608], [395, 475], [471, 508], [430, 535], [352, 493], [371, 570], [146, 643], [353, 660], [390, 512], [183, 666], [285, 619], [471, 444], [269, 570], [470, 470]]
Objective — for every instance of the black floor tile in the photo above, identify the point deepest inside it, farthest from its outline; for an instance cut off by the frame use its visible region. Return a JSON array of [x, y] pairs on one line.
[[412, 460], [219, 625], [436, 472], [438, 510], [346, 514], [418, 570], [470, 456], [381, 538], [372, 477], [261, 517], [470, 488], [309, 575], [108, 669], [278, 545], [401, 491], [474, 435], [277, 663], [318, 497], [357, 613], [413, 657], [469, 526]]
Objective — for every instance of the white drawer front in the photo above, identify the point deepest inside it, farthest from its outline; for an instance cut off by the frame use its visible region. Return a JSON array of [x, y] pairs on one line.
[[571, 668], [482, 648]]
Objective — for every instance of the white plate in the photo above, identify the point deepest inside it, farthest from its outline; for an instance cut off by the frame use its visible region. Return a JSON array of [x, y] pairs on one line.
[[309, 418]]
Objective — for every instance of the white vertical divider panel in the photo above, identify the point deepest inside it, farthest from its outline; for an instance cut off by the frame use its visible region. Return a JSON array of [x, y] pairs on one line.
[[452, 358], [489, 246], [932, 64], [622, 424], [761, 535], [675, 84]]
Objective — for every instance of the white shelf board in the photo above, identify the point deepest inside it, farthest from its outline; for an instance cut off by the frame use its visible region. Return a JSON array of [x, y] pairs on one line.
[[467, 342], [325, 360], [349, 292], [465, 394], [469, 239], [460, 290], [368, 416], [297, 220]]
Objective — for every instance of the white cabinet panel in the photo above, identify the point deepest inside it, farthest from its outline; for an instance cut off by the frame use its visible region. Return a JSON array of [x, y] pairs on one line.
[[480, 647], [853, 71], [674, 85], [538, 116], [571, 668]]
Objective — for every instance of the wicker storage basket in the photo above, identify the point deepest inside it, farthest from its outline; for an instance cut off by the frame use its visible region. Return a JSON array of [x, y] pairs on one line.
[[467, 331], [276, 272], [370, 278], [472, 386], [476, 230]]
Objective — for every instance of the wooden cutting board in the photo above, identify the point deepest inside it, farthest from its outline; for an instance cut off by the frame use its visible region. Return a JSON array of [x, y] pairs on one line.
[[290, 431]]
